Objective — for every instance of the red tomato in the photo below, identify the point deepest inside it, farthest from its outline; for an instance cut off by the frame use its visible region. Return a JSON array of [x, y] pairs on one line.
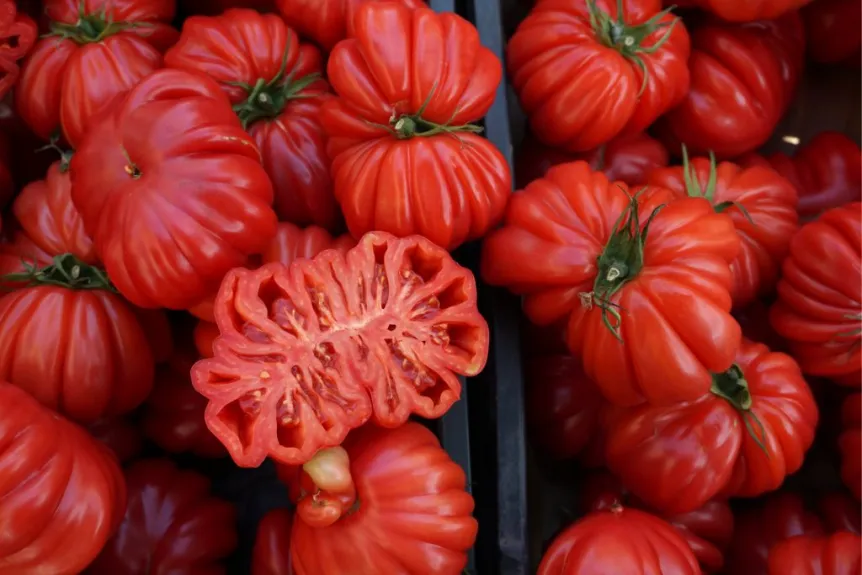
[[827, 172], [412, 511], [310, 351], [271, 553], [274, 84], [171, 190], [850, 444], [707, 530], [61, 492], [628, 158], [750, 10], [73, 344], [172, 525], [405, 157], [18, 33], [326, 22], [119, 435], [762, 206], [819, 308], [759, 527], [94, 52], [831, 31], [205, 334], [619, 541], [585, 73], [839, 554], [743, 78], [573, 245], [840, 512]]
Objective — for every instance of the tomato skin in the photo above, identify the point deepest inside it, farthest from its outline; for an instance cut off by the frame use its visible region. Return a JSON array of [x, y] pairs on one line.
[[459, 182], [750, 10], [831, 31], [838, 554], [326, 22], [206, 228], [119, 435], [850, 444], [818, 308], [84, 374], [42, 517], [622, 540], [164, 503], [628, 158], [271, 553], [567, 217], [766, 225], [407, 487], [65, 85], [292, 142]]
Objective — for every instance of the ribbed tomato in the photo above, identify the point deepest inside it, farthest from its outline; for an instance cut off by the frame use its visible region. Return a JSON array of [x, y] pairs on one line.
[[621, 540], [762, 205], [93, 52], [172, 525], [831, 31], [819, 308], [18, 34], [628, 158], [749, 10], [838, 554], [410, 513], [120, 435], [406, 158], [274, 83], [850, 444], [578, 246], [61, 492], [586, 72], [271, 553]]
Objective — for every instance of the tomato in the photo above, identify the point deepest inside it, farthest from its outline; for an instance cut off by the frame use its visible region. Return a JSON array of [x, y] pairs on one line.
[[840, 512], [48, 467], [271, 554], [172, 525], [310, 351], [73, 344], [750, 10], [827, 172], [573, 245], [411, 511], [707, 530], [173, 153], [275, 87], [120, 436], [93, 52], [838, 554], [850, 444], [741, 439], [18, 33], [205, 333], [819, 309], [406, 158], [326, 22], [628, 158], [762, 206], [759, 527], [743, 79], [621, 540], [831, 31]]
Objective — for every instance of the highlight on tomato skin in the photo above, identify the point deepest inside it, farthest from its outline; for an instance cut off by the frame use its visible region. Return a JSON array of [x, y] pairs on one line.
[[310, 351]]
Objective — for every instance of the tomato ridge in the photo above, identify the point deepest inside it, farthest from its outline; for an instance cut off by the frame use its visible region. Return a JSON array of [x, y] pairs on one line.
[[731, 386], [66, 271], [91, 28]]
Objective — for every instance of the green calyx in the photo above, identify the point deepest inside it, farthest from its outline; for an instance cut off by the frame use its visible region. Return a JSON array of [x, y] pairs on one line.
[[406, 126], [91, 28], [731, 386], [694, 189], [628, 39], [619, 263], [66, 271]]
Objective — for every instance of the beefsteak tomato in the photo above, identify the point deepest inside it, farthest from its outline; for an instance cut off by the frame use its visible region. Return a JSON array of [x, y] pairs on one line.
[[274, 83], [586, 72], [762, 205], [749, 10], [741, 439], [410, 513], [18, 33], [819, 308], [172, 525], [628, 158], [73, 344], [578, 246], [120, 435], [405, 157], [171, 189], [621, 540], [48, 468], [310, 351], [95, 50], [838, 554], [326, 22], [271, 552], [831, 31], [850, 444]]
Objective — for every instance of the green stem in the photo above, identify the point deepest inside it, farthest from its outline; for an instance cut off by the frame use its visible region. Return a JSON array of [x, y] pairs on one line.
[[66, 271], [90, 28], [733, 388]]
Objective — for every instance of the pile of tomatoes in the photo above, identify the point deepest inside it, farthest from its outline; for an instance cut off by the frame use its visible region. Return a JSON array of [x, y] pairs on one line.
[[227, 235]]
